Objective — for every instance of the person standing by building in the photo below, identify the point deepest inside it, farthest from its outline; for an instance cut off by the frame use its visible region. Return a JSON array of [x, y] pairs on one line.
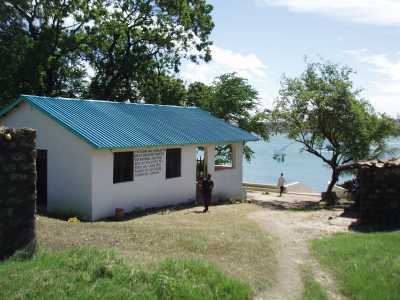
[[281, 184], [208, 186]]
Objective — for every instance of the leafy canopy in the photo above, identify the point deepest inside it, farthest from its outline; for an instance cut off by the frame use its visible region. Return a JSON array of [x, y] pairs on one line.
[[133, 41], [322, 110], [39, 52], [105, 49], [164, 89]]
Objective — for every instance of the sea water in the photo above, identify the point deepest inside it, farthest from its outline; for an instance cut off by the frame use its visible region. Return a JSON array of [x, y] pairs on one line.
[[297, 166]]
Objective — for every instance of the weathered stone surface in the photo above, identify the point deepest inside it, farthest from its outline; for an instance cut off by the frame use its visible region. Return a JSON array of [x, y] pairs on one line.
[[380, 193], [17, 190]]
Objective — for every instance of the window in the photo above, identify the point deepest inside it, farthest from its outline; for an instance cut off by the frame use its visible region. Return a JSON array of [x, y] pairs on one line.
[[223, 157], [123, 167], [173, 163]]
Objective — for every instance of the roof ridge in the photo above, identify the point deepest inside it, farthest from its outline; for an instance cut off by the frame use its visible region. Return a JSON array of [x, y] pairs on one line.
[[108, 101]]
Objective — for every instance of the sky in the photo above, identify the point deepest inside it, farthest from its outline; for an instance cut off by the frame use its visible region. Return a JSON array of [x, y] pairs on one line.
[[263, 39]]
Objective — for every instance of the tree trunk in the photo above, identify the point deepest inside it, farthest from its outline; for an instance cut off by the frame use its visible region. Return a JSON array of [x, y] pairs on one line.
[[329, 197]]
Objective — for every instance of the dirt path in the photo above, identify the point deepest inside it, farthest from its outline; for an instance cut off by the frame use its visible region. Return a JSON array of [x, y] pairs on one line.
[[293, 230]]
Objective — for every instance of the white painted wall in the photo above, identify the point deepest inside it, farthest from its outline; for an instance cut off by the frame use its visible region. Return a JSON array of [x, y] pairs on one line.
[[144, 191], [227, 182], [68, 161]]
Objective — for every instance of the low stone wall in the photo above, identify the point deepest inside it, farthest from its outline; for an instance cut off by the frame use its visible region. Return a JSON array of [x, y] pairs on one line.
[[17, 191], [379, 195]]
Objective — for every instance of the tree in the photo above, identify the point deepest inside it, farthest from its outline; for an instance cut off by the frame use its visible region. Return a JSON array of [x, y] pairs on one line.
[[39, 53], [234, 100], [164, 89], [323, 111], [200, 95], [104, 49], [134, 41]]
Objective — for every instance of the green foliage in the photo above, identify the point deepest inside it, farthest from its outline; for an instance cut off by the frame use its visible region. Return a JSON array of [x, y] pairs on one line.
[[101, 49], [200, 95], [164, 89], [322, 110], [39, 54], [234, 100], [366, 266], [94, 274], [223, 155], [139, 40]]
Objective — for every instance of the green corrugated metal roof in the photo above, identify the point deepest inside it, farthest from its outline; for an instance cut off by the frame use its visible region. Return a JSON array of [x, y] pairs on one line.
[[118, 125]]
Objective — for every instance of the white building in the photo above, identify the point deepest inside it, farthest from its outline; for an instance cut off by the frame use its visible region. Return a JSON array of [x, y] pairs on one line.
[[96, 156]]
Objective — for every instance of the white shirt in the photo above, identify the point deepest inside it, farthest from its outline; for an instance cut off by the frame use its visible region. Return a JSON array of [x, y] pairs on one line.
[[281, 181]]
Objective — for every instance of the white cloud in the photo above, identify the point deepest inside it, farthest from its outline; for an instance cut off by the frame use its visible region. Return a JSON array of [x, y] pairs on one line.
[[247, 65], [383, 65], [386, 103], [381, 12], [224, 61], [384, 91]]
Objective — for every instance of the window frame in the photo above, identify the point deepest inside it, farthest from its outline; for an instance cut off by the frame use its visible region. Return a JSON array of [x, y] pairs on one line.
[[229, 166], [123, 160], [177, 174]]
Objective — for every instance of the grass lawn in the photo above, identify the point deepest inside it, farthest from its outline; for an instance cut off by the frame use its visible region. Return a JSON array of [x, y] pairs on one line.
[[312, 288], [98, 274], [366, 266], [225, 238]]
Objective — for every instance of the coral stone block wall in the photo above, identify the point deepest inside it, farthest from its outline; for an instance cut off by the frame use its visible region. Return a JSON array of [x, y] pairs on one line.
[[380, 195], [17, 190]]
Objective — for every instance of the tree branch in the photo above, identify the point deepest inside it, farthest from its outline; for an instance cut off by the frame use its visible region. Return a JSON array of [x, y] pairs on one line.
[[313, 151]]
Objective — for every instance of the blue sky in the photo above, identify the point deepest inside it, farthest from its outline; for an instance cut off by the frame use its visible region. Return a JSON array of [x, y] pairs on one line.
[[263, 39]]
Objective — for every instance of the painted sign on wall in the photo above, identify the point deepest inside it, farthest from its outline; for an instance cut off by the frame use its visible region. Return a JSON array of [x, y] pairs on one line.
[[148, 162]]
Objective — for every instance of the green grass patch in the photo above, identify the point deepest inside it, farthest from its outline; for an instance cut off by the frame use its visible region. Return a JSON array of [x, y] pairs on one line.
[[366, 266], [312, 288], [87, 273], [225, 238]]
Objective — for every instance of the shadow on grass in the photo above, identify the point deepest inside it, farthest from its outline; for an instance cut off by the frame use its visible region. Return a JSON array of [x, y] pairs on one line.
[[290, 205], [369, 228], [299, 205], [138, 212], [42, 211], [353, 212]]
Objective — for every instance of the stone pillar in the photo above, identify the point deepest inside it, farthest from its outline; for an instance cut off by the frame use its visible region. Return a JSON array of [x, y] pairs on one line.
[[17, 191], [380, 196]]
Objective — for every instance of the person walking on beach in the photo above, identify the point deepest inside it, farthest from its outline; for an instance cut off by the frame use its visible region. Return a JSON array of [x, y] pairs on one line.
[[208, 186], [281, 184]]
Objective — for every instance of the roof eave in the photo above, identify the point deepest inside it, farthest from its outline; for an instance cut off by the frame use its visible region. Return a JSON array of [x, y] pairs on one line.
[[11, 106], [68, 128], [178, 145], [22, 98]]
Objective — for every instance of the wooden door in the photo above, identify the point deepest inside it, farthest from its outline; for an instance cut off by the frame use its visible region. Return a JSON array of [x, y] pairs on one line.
[[41, 180]]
